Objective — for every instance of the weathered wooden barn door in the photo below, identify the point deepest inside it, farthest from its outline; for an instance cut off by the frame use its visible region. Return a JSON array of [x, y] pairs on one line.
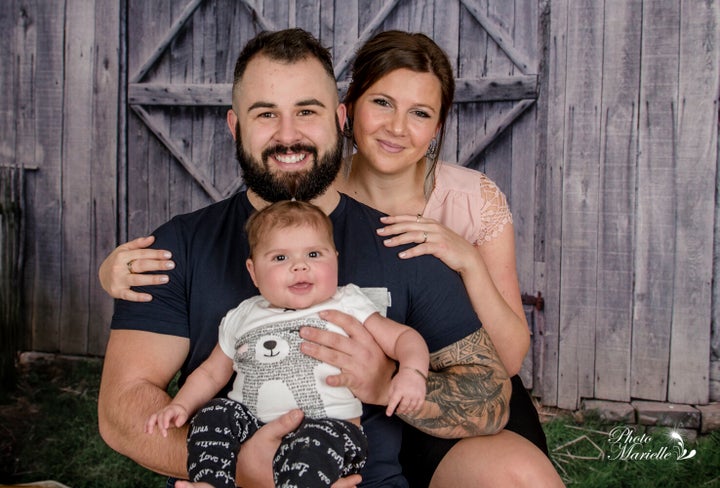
[[180, 155]]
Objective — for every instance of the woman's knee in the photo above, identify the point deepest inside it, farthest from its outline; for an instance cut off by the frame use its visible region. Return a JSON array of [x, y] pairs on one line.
[[504, 459]]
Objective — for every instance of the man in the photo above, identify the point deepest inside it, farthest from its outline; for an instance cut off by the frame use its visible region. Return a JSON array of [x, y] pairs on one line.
[[285, 120]]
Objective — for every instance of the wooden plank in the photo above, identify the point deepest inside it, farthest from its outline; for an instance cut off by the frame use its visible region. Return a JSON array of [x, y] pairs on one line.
[[497, 88], [446, 20], [495, 146], [202, 120], [472, 59], [715, 318], [523, 199], [148, 161], [620, 96], [103, 163], [9, 35], [77, 162], [122, 143], [220, 94], [339, 28], [498, 156], [234, 29], [578, 285], [695, 178], [341, 31], [40, 52], [656, 202]]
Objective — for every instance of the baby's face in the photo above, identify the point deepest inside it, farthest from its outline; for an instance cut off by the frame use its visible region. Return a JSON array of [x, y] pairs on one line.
[[295, 267]]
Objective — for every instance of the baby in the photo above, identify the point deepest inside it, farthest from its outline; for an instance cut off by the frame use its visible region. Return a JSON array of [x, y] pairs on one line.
[[293, 262]]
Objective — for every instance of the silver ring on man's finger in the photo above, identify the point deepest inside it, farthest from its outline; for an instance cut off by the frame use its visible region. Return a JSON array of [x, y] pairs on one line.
[[129, 266], [424, 237]]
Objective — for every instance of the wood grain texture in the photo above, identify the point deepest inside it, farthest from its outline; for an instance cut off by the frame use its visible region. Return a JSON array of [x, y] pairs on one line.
[[610, 165], [656, 202], [618, 157], [695, 178]]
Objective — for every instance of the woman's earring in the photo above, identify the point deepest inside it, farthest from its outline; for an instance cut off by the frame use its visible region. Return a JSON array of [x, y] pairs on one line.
[[347, 129], [432, 148]]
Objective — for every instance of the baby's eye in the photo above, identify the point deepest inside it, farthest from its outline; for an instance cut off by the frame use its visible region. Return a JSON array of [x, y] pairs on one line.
[[279, 257], [314, 254]]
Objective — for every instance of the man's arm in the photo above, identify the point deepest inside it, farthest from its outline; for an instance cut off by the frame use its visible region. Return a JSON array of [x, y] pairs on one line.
[[468, 391], [137, 369]]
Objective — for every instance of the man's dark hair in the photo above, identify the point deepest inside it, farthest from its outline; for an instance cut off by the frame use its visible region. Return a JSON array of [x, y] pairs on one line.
[[288, 45]]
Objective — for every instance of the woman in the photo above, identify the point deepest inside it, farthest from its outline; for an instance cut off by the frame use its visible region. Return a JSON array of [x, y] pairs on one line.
[[399, 98], [398, 102]]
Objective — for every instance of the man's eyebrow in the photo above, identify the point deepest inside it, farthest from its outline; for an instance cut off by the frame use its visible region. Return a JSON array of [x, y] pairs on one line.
[[310, 101], [261, 105]]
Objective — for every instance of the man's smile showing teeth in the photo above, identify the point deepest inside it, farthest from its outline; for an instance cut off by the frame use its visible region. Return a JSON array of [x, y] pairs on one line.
[[290, 158]]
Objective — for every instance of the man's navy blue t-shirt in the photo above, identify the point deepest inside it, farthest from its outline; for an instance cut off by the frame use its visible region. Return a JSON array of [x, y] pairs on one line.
[[210, 247]]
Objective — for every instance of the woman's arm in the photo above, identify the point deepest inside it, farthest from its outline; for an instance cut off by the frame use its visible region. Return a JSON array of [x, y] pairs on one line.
[[488, 272]]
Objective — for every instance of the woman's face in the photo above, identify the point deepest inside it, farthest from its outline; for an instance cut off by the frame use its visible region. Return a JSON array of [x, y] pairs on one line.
[[395, 120]]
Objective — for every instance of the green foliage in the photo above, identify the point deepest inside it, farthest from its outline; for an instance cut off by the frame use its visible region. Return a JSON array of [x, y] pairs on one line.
[[50, 432], [587, 456]]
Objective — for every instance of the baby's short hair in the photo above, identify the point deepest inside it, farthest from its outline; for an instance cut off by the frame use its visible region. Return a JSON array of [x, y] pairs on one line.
[[283, 214]]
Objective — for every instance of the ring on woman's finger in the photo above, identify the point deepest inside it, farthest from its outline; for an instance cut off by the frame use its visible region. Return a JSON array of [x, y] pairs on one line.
[[424, 237], [129, 266]]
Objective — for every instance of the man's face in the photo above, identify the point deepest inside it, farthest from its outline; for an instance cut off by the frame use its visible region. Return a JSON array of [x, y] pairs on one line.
[[285, 119]]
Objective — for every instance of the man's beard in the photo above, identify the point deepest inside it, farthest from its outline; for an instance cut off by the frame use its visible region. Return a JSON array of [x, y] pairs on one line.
[[300, 185]]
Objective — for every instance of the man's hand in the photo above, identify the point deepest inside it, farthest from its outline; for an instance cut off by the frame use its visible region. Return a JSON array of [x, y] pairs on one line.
[[254, 462], [365, 368]]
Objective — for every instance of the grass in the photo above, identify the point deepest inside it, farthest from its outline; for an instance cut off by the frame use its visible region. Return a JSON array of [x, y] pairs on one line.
[[48, 431], [600, 455]]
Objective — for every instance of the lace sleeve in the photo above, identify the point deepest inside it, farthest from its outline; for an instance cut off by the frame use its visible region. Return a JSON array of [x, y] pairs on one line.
[[494, 212]]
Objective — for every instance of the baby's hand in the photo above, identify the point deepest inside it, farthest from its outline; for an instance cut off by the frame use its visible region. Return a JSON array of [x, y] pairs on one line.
[[407, 391], [173, 415]]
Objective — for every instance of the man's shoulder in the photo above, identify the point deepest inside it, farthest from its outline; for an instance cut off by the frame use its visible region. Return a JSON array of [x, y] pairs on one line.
[[350, 209], [235, 206]]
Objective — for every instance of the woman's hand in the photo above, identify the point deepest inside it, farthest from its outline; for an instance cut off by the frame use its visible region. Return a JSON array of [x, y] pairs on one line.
[[431, 237], [488, 271], [124, 267]]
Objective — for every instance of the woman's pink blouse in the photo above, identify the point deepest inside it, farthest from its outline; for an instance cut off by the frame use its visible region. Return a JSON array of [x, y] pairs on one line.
[[468, 202]]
